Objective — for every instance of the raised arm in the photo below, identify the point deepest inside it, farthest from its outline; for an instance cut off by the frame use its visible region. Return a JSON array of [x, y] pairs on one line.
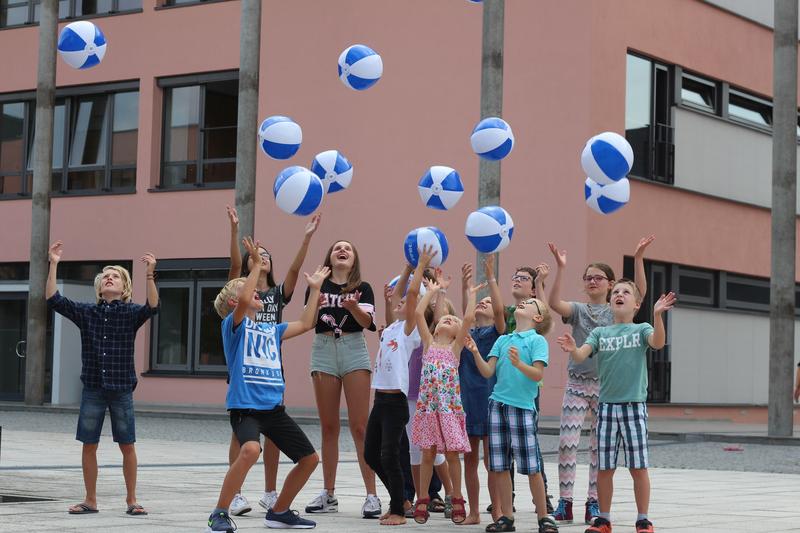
[[639, 277], [486, 368], [309, 317], [498, 311], [401, 286], [236, 254], [150, 268], [412, 294], [466, 280], [567, 343], [54, 252], [534, 372], [554, 300], [542, 271], [658, 338], [250, 284], [388, 310], [469, 318], [290, 281], [424, 260]]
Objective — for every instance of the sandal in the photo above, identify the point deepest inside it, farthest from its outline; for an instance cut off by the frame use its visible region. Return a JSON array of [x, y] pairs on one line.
[[459, 513], [82, 508], [421, 513], [436, 505], [135, 509], [547, 525], [502, 524]]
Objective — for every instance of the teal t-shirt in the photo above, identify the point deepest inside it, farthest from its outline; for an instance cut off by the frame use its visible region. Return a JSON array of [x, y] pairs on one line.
[[621, 352], [513, 387]]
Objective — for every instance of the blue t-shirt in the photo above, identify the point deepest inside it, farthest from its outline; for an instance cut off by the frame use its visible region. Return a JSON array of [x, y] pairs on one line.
[[253, 355], [472, 382], [513, 387]]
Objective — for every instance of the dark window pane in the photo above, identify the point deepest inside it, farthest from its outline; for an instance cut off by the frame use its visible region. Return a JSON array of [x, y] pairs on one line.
[[211, 352], [749, 110], [10, 184], [126, 128], [87, 179], [183, 115], [698, 93], [221, 104], [219, 172], [128, 5], [12, 119], [638, 112], [89, 131], [92, 7], [748, 293], [220, 143], [695, 286], [179, 175], [173, 326], [13, 14], [58, 137], [63, 10], [123, 179], [56, 182]]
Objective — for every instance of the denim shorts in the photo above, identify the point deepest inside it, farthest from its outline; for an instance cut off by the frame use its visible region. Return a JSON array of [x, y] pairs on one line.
[[94, 403], [339, 357]]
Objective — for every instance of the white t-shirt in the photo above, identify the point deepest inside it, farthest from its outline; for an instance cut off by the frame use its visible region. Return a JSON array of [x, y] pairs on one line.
[[391, 363]]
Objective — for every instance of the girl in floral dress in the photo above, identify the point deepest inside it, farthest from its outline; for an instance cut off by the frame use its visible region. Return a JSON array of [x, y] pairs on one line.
[[439, 422]]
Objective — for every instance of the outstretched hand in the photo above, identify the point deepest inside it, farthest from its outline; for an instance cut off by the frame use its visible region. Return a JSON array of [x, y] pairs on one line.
[[469, 344], [644, 242], [312, 225], [251, 248], [567, 342], [388, 291], [425, 255], [542, 271], [466, 275], [232, 216], [475, 289], [560, 257], [488, 266], [315, 280], [665, 303], [150, 261], [55, 251], [350, 301]]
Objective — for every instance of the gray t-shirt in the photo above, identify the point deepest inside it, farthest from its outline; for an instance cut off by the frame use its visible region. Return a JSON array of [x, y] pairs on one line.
[[584, 318]]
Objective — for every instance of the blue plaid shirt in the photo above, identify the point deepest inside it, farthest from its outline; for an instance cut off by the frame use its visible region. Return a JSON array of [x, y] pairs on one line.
[[108, 331]]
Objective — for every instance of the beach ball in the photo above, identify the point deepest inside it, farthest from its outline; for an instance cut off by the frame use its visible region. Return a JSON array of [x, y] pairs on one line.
[[360, 67], [441, 187], [489, 229], [492, 138], [333, 169], [298, 191], [606, 199], [81, 44], [420, 237], [607, 157], [393, 284], [279, 137]]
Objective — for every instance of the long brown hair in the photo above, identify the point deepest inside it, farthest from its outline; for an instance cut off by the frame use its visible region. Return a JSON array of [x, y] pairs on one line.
[[246, 269], [354, 278], [608, 271]]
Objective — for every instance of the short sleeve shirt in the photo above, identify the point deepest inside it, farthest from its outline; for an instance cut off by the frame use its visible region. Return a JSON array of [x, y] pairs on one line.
[[583, 319], [391, 363], [468, 373], [513, 387], [253, 356], [332, 317], [274, 300], [621, 353]]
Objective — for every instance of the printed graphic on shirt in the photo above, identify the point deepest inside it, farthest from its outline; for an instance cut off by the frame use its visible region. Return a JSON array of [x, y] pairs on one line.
[[331, 321], [261, 364], [612, 344], [273, 305]]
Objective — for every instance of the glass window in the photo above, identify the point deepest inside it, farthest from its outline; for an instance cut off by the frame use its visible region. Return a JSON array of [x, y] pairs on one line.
[[638, 93], [210, 352], [89, 132], [183, 124], [92, 7], [13, 13], [698, 92], [12, 128], [125, 130], [172, 340], [696, 286], [749, 109], [744, 291]]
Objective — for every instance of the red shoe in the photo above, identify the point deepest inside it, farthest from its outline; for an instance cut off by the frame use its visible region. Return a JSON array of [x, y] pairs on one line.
[[600, 525], [563, 514], [644, 526]]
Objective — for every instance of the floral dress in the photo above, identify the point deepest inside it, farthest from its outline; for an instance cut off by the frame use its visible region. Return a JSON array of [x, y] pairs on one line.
[[439, 419]]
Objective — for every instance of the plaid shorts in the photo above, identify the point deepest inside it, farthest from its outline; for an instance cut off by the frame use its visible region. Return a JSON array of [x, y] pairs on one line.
[[513, 431], [622, 424]]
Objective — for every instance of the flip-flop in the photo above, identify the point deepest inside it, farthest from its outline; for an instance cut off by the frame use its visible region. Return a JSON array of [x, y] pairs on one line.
[[136, 510], [82, 508]]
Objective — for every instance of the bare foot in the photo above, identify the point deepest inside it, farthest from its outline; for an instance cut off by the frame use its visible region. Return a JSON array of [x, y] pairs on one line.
[[385, 515], [471, 520], [393, 520]]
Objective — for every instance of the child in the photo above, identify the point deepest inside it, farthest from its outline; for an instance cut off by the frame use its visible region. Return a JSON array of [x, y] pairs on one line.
[[621, 351], [255, 394], [108, 330], [275, 296], [439, 422], [518, 359], [389, 414], [582, 389], [475, 389]]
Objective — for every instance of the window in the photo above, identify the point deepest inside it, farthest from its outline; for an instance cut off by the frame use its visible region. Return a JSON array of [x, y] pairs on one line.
[[200, 117], [749, 294], [186, 334], [698, 92], [183, 2], [749, 109], [21, 12], [12, 148], [695, 286]]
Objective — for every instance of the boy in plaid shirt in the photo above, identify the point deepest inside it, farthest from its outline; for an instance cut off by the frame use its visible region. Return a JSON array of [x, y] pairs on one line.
[[108, 331]]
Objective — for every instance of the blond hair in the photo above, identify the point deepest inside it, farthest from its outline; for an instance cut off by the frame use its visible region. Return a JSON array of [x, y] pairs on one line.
[[222, 304], [126, 283], [543, 327], [625, 281]]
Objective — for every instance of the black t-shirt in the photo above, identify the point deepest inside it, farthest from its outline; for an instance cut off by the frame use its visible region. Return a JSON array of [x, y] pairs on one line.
[[274, 299], [332, 317]]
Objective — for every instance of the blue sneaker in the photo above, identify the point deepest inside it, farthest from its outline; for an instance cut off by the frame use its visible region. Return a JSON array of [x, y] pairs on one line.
[[220, 522], [287, 520], [592, 511]]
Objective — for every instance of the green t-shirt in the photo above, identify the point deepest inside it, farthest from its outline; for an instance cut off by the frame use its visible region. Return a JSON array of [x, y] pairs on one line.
[[621, 352], [513, 387]]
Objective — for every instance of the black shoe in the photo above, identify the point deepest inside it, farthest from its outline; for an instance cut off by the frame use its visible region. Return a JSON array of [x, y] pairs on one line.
[[550, 508]]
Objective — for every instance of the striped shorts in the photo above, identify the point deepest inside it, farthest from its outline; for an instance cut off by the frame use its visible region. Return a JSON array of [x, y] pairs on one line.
[[512, 433], [622, 424]]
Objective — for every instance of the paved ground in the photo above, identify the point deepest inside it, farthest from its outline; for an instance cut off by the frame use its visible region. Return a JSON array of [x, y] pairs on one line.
[[697, 486]]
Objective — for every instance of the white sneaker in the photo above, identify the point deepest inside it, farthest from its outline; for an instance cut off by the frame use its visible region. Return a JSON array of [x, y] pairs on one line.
[[324, 503], [239, 505], [371, 507], [268, 500]]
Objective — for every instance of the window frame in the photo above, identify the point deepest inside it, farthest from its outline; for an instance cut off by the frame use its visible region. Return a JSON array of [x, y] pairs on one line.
[[26, 122], [693, 78], [753, 100], [154, 364], [207, 368], [71, 13], [679, 271], [741, 305]]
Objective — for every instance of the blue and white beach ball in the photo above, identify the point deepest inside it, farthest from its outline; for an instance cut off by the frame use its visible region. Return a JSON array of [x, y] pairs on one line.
[[492, 138], [333, 169], [429, 236], [81, 44], [441, 187], [279, 137], [298, 191], [395, 279], [489, 229], [607, 157], [360, 67], [606, 199]]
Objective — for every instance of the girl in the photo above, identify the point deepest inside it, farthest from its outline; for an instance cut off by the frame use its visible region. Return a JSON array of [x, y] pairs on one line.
[[582, 391], [275, 297], [339, 360], [490, 323], [439, 421]]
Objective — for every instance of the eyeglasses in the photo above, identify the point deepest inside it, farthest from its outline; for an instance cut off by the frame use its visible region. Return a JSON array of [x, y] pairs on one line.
[[534, 302], [265, 254], [517, 277], [596, 279]]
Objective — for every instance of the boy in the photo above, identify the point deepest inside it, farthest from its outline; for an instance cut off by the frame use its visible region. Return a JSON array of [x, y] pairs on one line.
[[518, 359], [255, 394], [108, 331], [621, 351]]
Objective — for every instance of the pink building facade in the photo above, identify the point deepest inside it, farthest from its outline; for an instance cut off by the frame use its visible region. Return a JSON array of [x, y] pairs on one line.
[[147, 159]]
